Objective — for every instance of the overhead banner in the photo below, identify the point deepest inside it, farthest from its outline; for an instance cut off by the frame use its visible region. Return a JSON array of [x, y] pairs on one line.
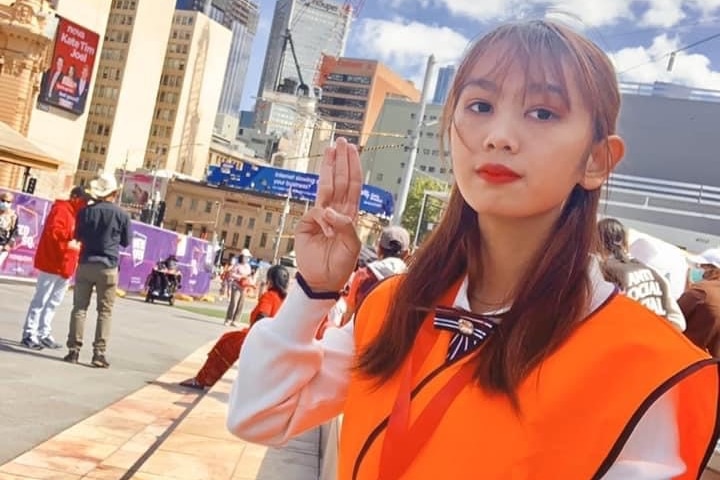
[[302, 186], [67, 82]]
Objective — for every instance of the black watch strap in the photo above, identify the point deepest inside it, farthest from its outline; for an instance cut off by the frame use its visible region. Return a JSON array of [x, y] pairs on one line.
[[312, 294]]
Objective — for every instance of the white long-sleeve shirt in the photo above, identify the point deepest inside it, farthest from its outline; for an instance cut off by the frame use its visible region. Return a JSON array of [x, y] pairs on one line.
[[289, 382]]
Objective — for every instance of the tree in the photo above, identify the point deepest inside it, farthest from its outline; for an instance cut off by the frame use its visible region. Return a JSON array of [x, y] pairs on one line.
[[418, 187]]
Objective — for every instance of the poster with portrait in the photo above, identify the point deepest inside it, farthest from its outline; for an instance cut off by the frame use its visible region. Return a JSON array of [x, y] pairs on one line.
[[66, 83]]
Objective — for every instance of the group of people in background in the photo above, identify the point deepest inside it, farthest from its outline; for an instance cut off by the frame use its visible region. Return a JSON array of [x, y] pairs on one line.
[[648, 277], [81, 238]]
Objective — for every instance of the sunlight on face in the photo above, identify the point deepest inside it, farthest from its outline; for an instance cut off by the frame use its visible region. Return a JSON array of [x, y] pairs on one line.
[[519, 140]]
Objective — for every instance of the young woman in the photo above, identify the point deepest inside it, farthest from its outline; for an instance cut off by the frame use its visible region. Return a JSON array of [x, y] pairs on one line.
[[226, 350], [502, 353], [240, 277], [634, 278]]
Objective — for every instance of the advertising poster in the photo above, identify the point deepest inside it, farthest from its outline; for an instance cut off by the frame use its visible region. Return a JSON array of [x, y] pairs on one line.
[[302, 186], [67, 82], [137, 188]]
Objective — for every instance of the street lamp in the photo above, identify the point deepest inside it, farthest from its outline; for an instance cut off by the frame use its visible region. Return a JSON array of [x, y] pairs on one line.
[[281, 228], [407, 177]]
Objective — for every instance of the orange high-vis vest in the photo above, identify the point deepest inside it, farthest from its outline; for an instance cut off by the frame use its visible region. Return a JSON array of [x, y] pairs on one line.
[[577, 409]]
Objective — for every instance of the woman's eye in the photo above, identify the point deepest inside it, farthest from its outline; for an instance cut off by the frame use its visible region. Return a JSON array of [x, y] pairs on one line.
[[480, 107], [542, 114]]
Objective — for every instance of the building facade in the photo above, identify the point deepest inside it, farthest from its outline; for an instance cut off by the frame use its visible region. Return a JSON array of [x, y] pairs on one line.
[[122, 105], [241, 18], [241, 219], [354, 91], [385, 157], [188, 95], [29, 52], [316, 27]]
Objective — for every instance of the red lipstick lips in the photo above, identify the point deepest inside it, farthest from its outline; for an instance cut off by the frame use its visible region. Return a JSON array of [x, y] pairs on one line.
[[497, 174]]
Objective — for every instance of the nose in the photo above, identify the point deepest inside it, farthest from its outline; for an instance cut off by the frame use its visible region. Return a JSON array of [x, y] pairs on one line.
[[501, 136]]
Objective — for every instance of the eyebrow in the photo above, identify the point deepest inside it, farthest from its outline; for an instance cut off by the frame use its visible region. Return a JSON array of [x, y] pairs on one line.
[[491, 86]]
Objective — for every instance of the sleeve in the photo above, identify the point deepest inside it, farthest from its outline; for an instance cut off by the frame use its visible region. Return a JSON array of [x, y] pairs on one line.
[[674, 314], [125, 233], [60, 225], [652, 451], [287, 381], [689, 301], [80, 225], [264, 306]]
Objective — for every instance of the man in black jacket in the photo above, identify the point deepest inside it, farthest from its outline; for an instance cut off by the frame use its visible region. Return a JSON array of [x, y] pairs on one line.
[[102, 228]]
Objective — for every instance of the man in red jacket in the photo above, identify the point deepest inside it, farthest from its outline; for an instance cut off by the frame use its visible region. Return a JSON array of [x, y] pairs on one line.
[[56, 259]]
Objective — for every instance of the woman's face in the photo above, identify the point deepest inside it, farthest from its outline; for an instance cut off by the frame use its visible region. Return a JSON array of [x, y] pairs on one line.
[[519, 145]]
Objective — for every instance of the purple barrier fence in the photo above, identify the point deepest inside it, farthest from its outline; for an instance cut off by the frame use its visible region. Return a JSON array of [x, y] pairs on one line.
[[148, 246]]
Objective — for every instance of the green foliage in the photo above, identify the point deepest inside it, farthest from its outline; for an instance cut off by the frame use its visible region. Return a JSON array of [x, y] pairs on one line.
[[418, 187]]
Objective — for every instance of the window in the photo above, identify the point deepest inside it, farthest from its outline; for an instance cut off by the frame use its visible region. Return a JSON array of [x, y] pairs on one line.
[[251, 224], [208, 206], [290, 245], [379, 177], [238, 221], [426, 151], [268, 217], [178, 202], [235, 239], [247, 242], [263, 240], [223, 236], [399, 180], [431, 169], [228, 218], [423, 168]]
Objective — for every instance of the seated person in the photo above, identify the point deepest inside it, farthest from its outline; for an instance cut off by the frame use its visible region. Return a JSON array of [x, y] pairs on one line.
[[227, 350]]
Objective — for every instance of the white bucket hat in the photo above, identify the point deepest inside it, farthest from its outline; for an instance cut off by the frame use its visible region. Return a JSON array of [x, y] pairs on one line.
[[245, 252], [103, 186]]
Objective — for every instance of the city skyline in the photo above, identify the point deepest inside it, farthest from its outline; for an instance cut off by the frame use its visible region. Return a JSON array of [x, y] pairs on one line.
[[638, 35]]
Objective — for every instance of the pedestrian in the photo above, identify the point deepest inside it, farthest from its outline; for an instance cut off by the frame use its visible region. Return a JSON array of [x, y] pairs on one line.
[[102, 228], [56, 259], [8, 225], [701, 304], [226, 350], [502, 353], [634, 278], [392, 251], [240, 278]]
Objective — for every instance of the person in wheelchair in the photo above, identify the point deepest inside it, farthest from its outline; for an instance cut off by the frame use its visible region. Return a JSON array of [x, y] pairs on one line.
[[164, 279]]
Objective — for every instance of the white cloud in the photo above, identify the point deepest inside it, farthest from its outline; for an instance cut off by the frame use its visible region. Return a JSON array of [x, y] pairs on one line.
[[649, 64], [592, 13], [405, 45]]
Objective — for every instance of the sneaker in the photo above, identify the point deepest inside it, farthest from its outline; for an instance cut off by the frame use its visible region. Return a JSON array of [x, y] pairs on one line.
[[192, 383], [72, 357], [99, 361], [50, 342], [28, 342]]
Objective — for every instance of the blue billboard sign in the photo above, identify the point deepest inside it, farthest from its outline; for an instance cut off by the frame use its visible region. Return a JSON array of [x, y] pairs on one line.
[[302, 186]]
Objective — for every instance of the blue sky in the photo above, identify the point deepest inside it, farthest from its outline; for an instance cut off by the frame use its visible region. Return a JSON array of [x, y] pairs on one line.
[[638, 35]]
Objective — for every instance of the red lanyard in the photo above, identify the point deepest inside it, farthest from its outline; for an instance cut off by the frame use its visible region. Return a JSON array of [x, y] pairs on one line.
[[404, 441]]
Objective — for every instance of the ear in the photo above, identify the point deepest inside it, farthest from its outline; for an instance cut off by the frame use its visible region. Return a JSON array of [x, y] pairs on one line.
[[603, 158]]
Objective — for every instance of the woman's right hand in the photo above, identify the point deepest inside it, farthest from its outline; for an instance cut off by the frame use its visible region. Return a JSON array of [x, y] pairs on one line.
[[326, 243]]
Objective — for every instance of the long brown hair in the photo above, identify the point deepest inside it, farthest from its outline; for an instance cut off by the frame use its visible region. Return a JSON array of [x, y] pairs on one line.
[[555, 290]]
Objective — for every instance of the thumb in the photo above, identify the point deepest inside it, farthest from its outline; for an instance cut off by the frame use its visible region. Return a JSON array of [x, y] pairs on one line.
[[342, 224]]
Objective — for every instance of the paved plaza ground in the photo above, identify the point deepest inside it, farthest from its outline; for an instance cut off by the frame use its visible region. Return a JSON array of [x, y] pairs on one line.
[[62, 421]]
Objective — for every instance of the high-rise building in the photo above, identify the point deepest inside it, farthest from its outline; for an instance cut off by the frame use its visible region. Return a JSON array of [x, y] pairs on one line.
[[354, 91], [241, 17], [316, 27], [188, 96], [445, 78], [122, 106]]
